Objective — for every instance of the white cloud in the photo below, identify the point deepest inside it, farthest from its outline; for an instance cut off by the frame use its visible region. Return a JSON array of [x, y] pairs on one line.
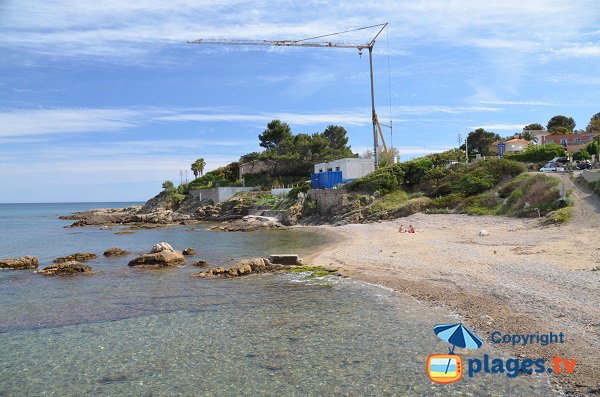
[[34, 122], [131, 29], [580, 51], [517, 102], [501, 127]]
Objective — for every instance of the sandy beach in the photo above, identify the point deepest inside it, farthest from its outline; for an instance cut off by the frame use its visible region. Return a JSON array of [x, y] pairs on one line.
[[524, 277]]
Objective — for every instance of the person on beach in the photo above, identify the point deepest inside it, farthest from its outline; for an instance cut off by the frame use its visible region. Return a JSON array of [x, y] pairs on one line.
[[411, 229], [401, 230]]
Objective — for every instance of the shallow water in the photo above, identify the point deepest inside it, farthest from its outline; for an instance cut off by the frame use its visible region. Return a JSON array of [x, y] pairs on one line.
[[146, 332]]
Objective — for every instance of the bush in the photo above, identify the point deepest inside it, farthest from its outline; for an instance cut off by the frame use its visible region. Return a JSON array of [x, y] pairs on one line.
[[384, 180], [470, 184], [528, 193], [538, 153], [581, 155], [416, 170], [560, 216], [448, 201], [302, 188]]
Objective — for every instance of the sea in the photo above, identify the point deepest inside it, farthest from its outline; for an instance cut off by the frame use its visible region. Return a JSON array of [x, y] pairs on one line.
[[161, 332]]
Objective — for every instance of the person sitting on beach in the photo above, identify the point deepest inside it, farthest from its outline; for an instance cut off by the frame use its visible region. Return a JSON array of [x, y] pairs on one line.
[[402, 230], [410, 229]]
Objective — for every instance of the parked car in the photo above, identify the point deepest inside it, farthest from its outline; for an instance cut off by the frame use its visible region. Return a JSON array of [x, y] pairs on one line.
[[584, 165], [553, 167], [562, 160]]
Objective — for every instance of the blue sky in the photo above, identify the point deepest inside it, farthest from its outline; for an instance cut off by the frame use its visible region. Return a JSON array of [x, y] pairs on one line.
[[104, 100]]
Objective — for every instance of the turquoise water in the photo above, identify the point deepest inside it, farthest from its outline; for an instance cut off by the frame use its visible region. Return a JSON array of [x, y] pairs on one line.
[[144, 332]]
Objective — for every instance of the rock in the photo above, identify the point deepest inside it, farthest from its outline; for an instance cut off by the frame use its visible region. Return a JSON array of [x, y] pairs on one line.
[[161, 255], [189, 251], [25, 262], [115, 251], [242, 268], [200, 263], [483, 233], [162, 247], [77, 257], [66, 269], [285, 259]]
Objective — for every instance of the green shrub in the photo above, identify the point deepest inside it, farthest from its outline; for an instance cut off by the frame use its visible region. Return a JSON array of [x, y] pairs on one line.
[[384, 180], [416, 170], [302, 188], [538, 153], [560, 216], [389, 202], [448, 201], [471, 184], [581, 155]]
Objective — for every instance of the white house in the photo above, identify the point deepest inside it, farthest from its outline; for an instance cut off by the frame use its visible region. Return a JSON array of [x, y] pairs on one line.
[[516, 145], [539, 136], [351, 168]]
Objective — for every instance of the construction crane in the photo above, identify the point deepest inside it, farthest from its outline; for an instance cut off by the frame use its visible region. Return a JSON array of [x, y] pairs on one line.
[[308, 42]]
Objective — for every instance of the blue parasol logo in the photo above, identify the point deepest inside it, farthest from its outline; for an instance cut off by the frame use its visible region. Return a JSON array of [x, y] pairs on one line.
[[457, 335]]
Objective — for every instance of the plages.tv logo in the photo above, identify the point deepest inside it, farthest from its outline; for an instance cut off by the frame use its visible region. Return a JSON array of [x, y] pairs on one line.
[[448, 368]]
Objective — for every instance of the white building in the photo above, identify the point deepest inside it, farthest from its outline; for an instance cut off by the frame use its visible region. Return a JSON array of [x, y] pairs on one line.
[[351, 168]]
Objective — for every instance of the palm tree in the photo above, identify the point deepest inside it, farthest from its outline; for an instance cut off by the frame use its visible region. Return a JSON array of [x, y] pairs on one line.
[[528, 136], [198, 167]]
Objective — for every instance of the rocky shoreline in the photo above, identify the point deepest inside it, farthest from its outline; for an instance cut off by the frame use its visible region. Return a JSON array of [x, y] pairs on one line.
[[163, 255]]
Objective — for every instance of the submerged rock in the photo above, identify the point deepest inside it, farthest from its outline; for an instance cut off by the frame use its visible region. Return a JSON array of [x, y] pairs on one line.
[[25, 262], [161, 255], [189, 251], [115, 251], [78, 256], [66, 269], [200, 263]]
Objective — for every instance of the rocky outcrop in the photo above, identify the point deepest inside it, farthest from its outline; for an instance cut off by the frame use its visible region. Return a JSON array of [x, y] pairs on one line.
[[242, 268], [200, 264], [249, 223], [66, 269], [161, 217], [25, 262], [161, 255], [189, 252], [78, 256], [115, 251], [102, 216]]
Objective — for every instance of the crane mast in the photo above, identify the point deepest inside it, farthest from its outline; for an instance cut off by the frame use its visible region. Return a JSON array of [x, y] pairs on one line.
[[309, 42]]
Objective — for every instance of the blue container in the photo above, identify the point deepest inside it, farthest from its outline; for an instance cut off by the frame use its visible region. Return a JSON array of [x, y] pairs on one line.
[[314, 181], [326, 180]]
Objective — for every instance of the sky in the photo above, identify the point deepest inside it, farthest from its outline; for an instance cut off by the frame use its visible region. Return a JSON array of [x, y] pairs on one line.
[[103, 100]]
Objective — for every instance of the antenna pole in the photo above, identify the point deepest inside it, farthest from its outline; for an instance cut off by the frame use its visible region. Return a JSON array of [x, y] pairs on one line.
[[373, 117]]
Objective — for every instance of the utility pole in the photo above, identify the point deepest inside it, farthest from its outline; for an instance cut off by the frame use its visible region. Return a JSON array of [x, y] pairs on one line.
[[308, 43]]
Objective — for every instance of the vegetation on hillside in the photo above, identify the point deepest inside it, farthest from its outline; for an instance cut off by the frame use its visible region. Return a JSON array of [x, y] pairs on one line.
[[490, 187], [286, 158]]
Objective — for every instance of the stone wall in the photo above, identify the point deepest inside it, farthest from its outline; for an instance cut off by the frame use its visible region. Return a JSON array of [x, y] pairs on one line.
[[327, 199], [218, 194]]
